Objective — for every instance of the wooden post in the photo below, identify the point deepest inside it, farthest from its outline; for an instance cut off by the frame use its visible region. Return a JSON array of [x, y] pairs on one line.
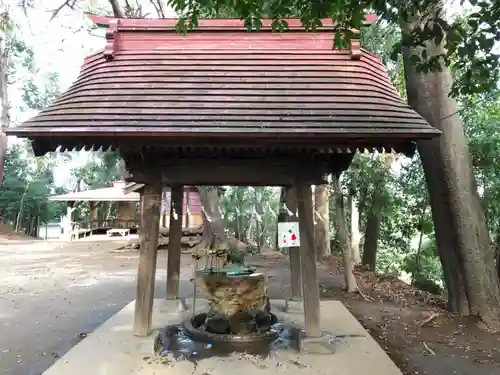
[[310, 290], [174, 242], [149, 231], [295, 273], [290, 199], [188, 209]]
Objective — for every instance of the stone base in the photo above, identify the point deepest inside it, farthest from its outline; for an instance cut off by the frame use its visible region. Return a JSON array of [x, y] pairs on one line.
[[294, 306], [116, 351], [316, 345], [182, 305]]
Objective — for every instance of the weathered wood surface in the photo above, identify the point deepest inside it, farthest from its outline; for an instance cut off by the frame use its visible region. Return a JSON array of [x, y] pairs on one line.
[[310, 290], [174, 246], [150, 220]]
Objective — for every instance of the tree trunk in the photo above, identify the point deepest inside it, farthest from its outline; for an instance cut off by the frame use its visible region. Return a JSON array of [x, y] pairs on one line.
[[461, 233], [214, 234], [4, 103], [372, 234], [343, 236], [125, 211], [355, 233], [497, 252], [322, 220]]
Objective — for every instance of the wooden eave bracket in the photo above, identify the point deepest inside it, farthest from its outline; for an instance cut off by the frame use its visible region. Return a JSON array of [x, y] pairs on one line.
[[355, 47], [111, 39]]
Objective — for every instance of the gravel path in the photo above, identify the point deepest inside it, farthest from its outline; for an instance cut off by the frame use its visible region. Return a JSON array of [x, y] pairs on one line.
[[52, 294]]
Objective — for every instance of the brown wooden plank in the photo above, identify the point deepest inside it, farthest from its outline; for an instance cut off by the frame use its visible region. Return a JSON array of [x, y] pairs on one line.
[[261, 122], [153, 71], [175, 242], [224, 81], [340, 101], [162, 105], [379, 134], [295, 95], [242, 173], [148, 234], [285, 85], [139, 69], [310, 290], [334, 70], [285, 66], [212, 113]]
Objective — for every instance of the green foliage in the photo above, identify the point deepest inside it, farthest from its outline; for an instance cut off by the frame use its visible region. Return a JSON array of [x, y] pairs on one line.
[[481, 114], [425, 268], [250, 214], [39, 95], [28, 182]]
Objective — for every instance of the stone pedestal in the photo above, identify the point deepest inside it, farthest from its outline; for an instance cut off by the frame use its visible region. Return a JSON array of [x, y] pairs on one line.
[[316, 345], [294, 306]]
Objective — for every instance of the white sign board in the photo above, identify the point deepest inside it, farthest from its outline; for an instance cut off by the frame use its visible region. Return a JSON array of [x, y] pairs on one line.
[[288, 234]]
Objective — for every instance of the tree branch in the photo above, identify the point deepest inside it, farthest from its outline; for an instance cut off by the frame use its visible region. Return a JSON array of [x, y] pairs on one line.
[[158, 5], [68, 3], [117, 10]]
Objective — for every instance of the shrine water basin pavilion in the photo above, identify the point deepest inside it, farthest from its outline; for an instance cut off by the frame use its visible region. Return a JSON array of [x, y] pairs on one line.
[[223, 106]]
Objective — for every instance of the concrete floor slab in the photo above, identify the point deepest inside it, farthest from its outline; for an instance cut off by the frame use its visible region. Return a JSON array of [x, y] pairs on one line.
[[113, 350]]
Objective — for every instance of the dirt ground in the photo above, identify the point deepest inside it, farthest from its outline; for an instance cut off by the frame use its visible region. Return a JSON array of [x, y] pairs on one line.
[[54, 294], [412, 328]]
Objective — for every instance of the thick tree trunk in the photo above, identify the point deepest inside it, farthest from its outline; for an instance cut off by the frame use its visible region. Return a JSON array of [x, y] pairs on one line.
[[4, 103], [498, 263], [214, 234], [461, 232], [343, 236], [372, 234], [497, 252], [322, 220], [355, 233]]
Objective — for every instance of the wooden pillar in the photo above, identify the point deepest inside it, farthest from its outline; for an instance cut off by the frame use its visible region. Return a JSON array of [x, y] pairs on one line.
[[310, 290], [174, 243], [148, 235], [162, 213], [188, 207], [295, 273], [289, 197]]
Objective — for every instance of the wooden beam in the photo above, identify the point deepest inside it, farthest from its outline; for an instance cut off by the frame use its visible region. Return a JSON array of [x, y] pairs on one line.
[[310, 290], [236, 172], [174, 244], [150, 226]]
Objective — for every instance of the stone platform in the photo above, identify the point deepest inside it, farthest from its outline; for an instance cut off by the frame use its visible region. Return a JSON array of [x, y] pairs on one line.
[[113, 350]]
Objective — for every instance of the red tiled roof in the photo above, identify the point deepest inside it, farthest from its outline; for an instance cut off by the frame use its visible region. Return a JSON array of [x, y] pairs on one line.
[[220, 80]]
